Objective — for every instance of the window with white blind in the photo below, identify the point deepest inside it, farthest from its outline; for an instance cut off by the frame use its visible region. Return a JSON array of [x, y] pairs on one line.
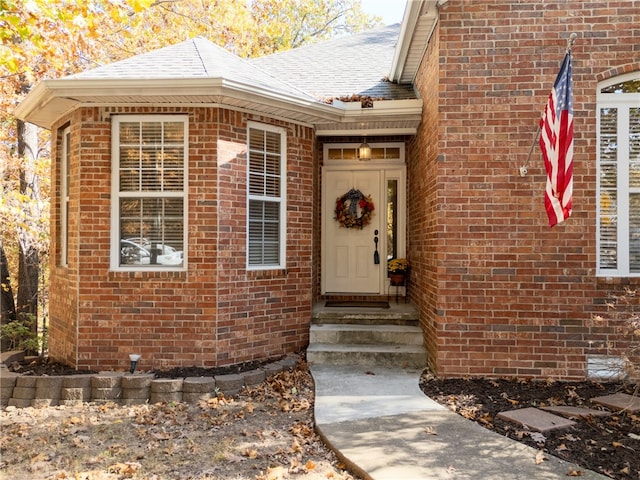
[[618, 181], [266, 221], [149, 185], [65, 159]]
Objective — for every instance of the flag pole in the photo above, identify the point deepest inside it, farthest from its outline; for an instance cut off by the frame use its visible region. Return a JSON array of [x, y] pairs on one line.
[[523, 168]]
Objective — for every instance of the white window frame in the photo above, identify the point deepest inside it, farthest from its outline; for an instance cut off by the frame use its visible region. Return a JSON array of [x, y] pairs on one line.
[[116, 194], [64, 196], [623, 102], [281, 199]]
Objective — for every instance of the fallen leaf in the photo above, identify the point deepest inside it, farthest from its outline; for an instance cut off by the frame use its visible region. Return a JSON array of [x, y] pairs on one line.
[[161, 436], [79, 442], [294, 465], [39, 458], [276, 473], [310, 465], [430, 431], [575, 473], [538, 437], [561, 448], [540, 457], [250, 453], [127, 469]]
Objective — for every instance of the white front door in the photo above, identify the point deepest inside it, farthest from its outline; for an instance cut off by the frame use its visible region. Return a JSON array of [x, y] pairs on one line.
[[349, 260]]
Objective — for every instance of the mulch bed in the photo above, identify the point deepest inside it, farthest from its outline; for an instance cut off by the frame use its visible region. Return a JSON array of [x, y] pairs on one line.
[[42, 366], [608, 445]]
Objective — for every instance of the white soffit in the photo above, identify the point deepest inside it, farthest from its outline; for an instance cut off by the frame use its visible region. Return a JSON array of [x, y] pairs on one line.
[[420, 19]]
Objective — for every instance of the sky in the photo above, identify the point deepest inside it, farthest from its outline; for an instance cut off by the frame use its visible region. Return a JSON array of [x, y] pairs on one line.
[[390, 10]]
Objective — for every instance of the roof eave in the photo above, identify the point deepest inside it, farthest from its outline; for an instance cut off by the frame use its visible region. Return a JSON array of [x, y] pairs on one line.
[[51, 99], [412, 15]]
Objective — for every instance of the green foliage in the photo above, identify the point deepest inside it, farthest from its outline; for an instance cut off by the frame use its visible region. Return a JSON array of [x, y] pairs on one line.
[[19, 335]]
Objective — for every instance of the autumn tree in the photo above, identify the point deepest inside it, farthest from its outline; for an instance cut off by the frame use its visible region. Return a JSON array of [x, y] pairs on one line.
[[53, 38], [40, 39]]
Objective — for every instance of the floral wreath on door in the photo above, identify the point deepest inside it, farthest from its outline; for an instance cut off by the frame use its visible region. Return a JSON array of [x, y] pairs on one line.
[[354, 209]]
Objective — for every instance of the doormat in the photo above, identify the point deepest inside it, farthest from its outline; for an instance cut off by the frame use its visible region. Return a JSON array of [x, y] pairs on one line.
[[356, 304]]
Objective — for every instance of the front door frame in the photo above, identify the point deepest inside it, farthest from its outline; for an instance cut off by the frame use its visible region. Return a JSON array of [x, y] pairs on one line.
[[390, 168]]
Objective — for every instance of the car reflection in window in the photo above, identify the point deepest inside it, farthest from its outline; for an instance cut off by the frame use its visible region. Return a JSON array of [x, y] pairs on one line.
[[143, 252]]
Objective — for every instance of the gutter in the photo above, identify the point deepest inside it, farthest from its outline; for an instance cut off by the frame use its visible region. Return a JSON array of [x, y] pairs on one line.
[[50, 99]]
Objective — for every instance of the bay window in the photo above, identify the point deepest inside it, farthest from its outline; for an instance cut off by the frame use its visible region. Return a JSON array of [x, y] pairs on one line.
[[149, 185]]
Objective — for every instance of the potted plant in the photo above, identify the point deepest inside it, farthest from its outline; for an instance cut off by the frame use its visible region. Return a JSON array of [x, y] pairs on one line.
[[397, 269]]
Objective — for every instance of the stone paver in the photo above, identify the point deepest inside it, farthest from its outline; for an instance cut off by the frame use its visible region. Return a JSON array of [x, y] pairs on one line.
[[535, 419], [619, 401], [576, 412]]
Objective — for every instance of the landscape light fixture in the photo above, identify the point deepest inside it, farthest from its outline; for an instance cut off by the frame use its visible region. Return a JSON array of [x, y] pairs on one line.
[[134, 360]]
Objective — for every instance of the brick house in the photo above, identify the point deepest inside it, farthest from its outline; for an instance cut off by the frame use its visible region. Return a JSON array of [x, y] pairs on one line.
[[194, 192]]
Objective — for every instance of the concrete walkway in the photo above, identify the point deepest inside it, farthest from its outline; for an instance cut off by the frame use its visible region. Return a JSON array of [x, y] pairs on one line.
[[383, 426]]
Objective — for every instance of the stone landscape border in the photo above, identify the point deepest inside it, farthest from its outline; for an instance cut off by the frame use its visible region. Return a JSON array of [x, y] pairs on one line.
[[127, 389]]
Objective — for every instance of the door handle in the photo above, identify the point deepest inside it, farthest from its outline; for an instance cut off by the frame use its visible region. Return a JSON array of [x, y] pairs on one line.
[[376, 255]]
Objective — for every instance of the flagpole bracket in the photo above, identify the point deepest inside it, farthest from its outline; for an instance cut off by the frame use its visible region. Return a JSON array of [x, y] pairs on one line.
[[523, 171], [572, 39]]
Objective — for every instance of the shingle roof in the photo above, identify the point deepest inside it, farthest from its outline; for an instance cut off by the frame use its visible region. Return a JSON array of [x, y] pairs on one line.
[[195, 58], [355, 64], [287, 85], [348, 65]]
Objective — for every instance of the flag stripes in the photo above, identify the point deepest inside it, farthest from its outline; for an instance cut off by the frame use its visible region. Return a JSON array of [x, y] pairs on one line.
[[556, 143]]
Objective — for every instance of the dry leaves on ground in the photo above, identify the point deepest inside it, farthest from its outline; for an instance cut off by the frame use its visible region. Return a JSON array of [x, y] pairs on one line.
[[609, 445], [266, 433]]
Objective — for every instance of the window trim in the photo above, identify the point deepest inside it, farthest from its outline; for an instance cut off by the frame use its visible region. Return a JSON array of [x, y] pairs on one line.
[[65, 168], [282, 199], [115, 193], [623, 102]]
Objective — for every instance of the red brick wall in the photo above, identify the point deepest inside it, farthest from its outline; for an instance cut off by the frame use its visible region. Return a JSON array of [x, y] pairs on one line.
[[214, 314], [63, 283], [422, 203], [514, 297]]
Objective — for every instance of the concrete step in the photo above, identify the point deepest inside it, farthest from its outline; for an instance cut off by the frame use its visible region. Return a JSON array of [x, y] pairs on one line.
[[406, 356], [398, 314], [365, 334]]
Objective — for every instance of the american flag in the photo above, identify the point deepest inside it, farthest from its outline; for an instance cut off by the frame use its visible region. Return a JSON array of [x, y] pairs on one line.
[[556, 142]]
